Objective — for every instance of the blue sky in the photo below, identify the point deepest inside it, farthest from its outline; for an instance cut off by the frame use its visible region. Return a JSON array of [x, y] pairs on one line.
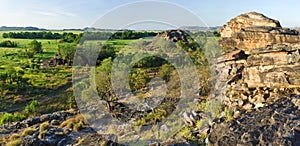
[[58, 14]]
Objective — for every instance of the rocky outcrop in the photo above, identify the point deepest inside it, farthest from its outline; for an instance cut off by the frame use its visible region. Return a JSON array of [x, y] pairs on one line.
[[254, 30], [259, 79], [174, 35], [263, 66], [246, 20], [276, 124]]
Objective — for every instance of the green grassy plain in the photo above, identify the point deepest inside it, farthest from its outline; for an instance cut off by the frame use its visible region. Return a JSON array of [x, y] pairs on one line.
[[52, 87]]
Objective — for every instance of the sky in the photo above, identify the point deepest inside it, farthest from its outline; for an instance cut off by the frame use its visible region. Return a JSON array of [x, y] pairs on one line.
[[66, 14]]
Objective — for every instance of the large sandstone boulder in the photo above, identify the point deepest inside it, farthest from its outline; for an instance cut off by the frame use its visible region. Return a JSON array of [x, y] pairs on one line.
[[254, 30], [247, 20]]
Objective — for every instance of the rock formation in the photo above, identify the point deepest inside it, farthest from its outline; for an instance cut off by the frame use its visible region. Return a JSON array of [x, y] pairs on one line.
[[262, 65], [174, 35], [253, 30], [258, 77]]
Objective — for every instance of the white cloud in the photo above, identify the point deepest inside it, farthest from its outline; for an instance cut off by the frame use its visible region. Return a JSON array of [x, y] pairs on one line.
[[46, 13], [67, 14], [57, 13]]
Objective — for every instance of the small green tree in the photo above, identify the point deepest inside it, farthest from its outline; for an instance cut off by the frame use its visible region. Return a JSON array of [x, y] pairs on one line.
[[67, 52], [138, 79], [35, 47]]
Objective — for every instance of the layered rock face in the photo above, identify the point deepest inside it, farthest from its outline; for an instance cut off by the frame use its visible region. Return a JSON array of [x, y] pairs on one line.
[[265, 62], [254, 30], [259, 78]]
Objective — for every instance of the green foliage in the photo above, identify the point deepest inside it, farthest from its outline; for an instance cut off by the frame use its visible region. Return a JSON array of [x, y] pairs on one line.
[[165, 72], [228, 113], [202, 139], [35, 47], [212, 48], [214, 107], [8, 43], [186, 132], [158, 114], [138, 79], [8, 117], [67, 37], [67, 52], [103, 80], [32, 107], [107, 51]]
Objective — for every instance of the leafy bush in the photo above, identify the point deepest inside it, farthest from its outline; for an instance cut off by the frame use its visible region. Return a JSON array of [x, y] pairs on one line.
[[35, 47], [165, 72], [8, 43], [139, 79], [18, 117], [32, 107], [8, 117]]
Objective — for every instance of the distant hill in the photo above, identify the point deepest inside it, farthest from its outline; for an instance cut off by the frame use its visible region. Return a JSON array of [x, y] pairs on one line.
[[199, 28], [11, 28]]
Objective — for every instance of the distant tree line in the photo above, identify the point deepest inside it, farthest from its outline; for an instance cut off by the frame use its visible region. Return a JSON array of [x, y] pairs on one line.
[[66, 37], [129, 34]]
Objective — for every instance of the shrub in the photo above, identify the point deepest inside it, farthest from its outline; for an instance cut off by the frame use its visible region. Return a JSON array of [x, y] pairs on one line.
[[8, 117], [32, 107], [8, 43], [228, 113], [165, 72], [138, 79], [18, 117], [35, 47]]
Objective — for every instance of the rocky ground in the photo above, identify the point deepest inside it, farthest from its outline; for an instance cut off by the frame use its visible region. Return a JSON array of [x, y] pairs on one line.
[[275, 124]]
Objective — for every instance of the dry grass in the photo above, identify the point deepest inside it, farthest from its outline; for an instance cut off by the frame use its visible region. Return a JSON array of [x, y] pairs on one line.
[[76, 123], [14, 136], [44, 126], [42, 134], [16, 142], [28, 131]]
